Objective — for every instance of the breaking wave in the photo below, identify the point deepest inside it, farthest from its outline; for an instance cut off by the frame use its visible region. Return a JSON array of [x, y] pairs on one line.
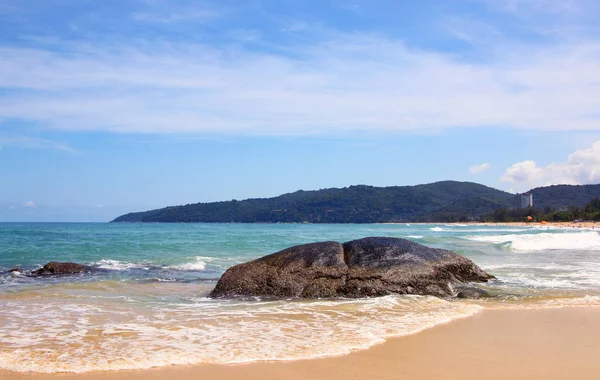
[[89, 336], [585, 241], [199, 263], [119, 265]]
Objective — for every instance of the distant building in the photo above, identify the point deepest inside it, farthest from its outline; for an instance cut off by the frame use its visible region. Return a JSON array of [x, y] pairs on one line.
[[526, 200]]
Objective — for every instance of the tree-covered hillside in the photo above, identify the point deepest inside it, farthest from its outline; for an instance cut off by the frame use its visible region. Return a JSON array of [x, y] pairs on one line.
[[447, 201], [561, 197], [354, 204]]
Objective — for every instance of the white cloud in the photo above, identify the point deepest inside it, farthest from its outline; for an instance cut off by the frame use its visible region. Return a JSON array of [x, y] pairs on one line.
[[347, 83], [479, 168], [34, 143], [30, 204], [581, 167], [302, 78]]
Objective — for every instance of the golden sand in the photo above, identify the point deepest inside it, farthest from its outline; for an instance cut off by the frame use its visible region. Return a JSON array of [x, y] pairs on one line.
[[562, 343]]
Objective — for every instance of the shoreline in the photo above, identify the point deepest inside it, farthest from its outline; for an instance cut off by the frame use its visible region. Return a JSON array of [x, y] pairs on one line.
[[588, 224], [553, 343]]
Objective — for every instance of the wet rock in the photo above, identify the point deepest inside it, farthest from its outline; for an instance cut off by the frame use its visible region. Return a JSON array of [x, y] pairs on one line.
[[472, 293], [368, 267], [54, 268], [314, 270]]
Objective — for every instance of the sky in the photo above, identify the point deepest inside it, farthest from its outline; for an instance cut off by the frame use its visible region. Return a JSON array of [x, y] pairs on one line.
[[114, 106]]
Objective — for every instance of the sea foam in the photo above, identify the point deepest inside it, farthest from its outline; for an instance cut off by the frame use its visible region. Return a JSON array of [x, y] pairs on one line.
[[199, 263], [84, 337], [544, 241], [118, 265]]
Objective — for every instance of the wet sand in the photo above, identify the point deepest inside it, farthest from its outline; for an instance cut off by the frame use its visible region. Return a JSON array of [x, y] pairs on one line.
[[494, 344]]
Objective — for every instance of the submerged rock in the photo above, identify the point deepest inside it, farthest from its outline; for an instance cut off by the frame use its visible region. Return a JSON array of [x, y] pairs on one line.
[[61, 268], [373, 266], [14, 272], [472, 293]]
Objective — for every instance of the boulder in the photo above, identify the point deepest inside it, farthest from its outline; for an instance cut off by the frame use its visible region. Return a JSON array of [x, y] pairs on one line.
[[15, 272], [61, 268], [373, 266]]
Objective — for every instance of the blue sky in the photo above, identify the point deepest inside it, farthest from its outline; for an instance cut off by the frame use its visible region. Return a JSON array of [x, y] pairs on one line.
[[114, 106]]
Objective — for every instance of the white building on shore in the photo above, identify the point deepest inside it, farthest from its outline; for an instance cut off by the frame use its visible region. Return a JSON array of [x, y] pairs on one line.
[[526, 200]]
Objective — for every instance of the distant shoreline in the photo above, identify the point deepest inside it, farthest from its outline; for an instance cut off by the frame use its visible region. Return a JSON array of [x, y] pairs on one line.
[[586, 224]]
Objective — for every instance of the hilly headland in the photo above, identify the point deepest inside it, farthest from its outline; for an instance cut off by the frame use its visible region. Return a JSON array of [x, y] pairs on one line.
[[445, 201]]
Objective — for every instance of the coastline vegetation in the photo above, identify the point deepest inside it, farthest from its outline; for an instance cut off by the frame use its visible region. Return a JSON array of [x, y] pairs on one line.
[[591, 212]]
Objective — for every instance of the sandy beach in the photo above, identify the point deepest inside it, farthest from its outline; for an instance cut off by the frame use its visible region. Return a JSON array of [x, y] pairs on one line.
[[554, 343], [587, 224]]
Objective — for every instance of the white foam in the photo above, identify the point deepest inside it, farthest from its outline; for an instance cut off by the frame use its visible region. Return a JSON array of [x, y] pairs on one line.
[[513, 229], [415, 237], [581, 301], [437, 229], [544, 241], [118, 265], [166, 279], [531, 280], [199, 263], [80, 338]]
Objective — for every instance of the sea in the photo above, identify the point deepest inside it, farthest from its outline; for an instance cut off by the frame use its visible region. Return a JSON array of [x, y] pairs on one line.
[[149, 305]]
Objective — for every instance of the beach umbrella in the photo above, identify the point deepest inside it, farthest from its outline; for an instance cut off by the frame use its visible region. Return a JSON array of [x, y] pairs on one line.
[[543, 222], [529, 218]]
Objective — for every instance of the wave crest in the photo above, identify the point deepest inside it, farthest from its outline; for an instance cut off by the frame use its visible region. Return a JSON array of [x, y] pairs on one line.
[[585, 241], [199, 263]]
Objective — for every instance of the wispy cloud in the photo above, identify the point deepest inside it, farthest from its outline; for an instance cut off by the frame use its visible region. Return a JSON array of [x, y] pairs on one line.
[[350, 82], [169, 12], [351, 6], [34, 143], [476, 169], [326, 82], [553, 6], [173, 17], [581, 167]]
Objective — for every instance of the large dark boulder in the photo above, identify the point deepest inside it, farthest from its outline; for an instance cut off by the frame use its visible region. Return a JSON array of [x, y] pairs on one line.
[[54, 268], [311, 270], [374, 266]]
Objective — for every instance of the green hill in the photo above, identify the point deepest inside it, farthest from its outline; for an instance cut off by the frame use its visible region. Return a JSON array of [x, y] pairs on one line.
[[563, 196], [445, 201], [354, 204]]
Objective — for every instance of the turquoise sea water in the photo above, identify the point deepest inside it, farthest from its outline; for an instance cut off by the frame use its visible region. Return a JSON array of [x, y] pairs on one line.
[[149, 307]]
